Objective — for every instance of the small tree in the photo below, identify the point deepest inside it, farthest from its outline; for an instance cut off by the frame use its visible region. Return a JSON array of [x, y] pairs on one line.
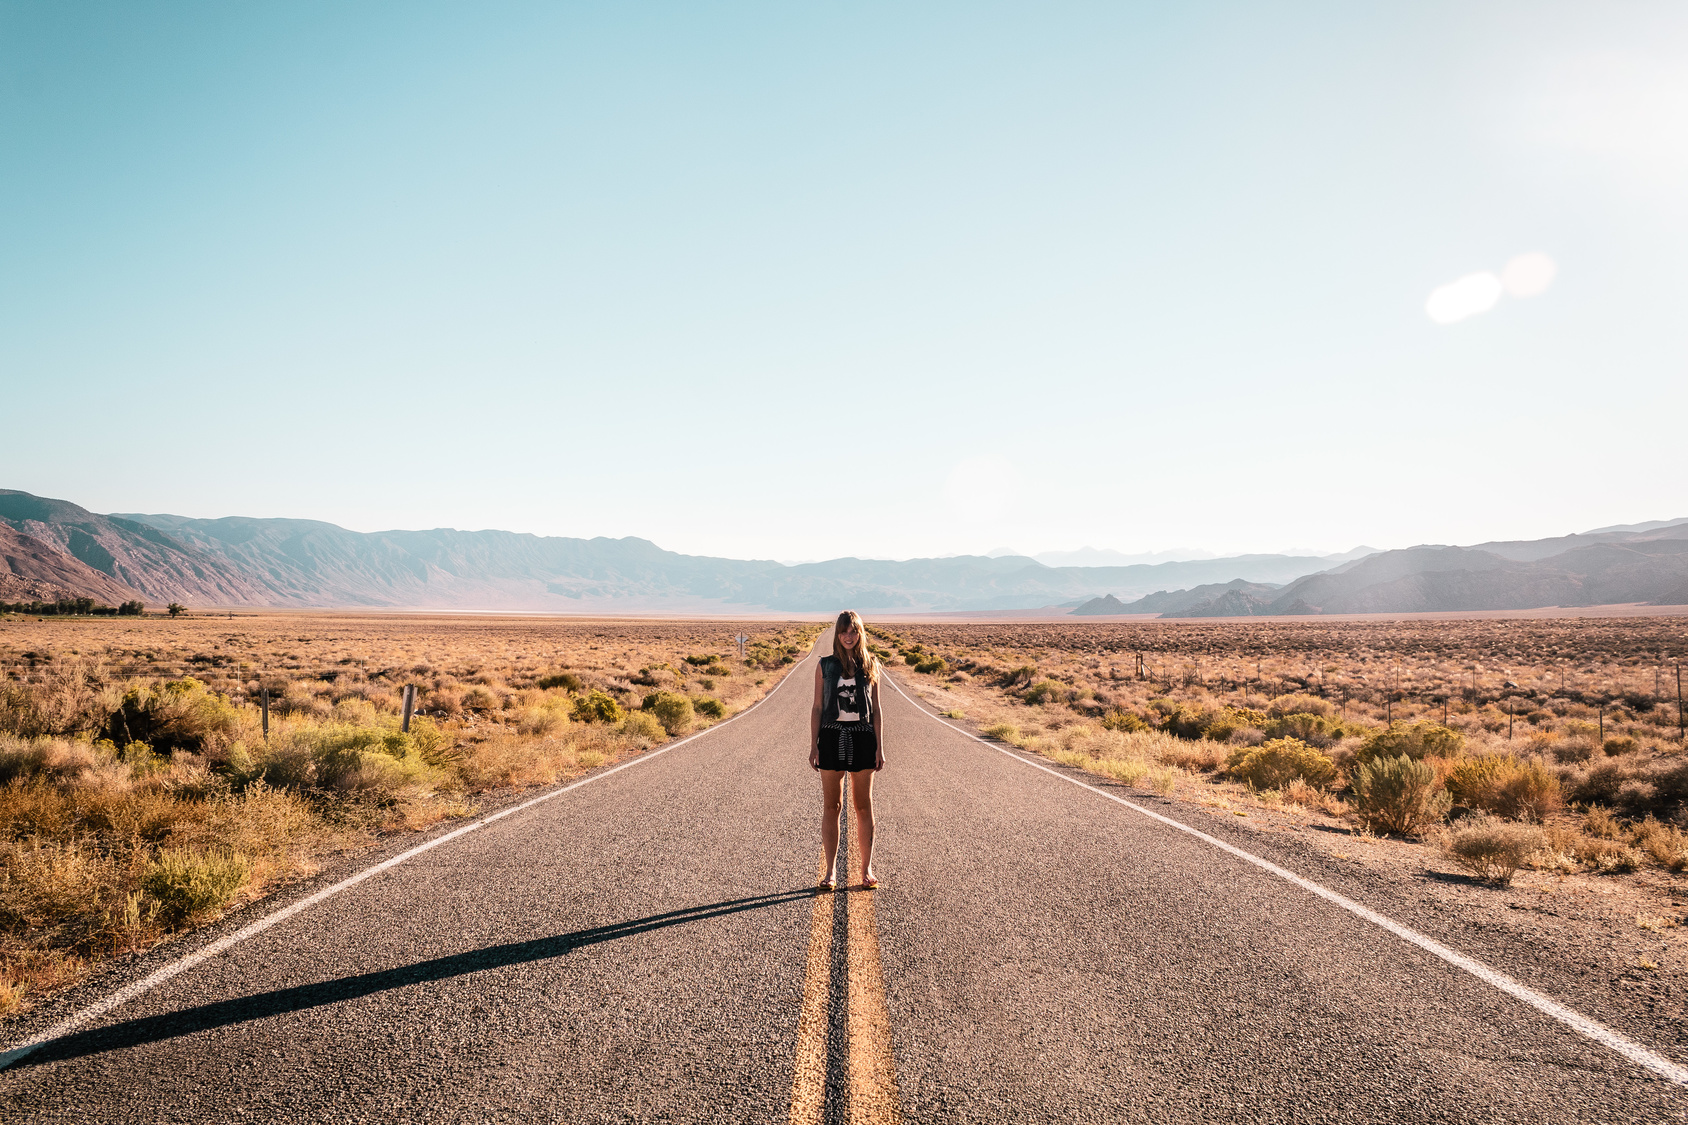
[[176, 609]]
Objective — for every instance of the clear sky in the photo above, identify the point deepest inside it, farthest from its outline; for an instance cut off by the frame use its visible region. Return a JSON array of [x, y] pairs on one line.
[[802, 280]]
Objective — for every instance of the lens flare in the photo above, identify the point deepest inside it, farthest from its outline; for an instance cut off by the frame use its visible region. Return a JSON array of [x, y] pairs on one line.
[[1472, 294], [1528, 275]]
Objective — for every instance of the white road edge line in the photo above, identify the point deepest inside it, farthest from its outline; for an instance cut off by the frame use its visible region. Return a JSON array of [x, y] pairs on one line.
[[1576, 1021], [198, 957]]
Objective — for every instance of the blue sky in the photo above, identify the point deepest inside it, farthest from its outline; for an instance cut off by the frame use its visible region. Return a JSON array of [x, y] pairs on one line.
[[800, 281]]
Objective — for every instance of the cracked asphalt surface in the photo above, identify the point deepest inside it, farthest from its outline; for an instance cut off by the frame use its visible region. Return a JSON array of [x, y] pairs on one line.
[[635, 951]]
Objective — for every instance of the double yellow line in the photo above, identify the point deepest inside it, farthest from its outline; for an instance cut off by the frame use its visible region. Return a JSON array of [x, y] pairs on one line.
[[844, 1031]]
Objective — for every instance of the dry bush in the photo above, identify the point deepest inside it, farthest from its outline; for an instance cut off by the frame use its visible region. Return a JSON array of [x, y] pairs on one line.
[[642, 729], [1300, 705], [1665, 844], [194, 886], [1313, 730], [1397, 795], [673, 711], [1503, 784], [596, 707], [1493, 849], [1422, 739], [1601, 824], [1274, 764]]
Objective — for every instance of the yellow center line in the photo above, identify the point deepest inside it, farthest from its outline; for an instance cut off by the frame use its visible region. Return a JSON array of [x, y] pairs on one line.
[[808, 1085], [871, 1069]]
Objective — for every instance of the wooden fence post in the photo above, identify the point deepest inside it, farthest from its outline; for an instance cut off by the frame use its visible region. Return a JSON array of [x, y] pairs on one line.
[[409, 706], [265, 694]]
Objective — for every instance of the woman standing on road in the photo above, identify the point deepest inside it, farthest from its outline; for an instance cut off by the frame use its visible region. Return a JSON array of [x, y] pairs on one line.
[[846, 727]]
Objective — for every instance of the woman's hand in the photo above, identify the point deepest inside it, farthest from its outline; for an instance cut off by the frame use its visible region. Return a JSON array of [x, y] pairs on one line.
[[815, 756], [878, 761]]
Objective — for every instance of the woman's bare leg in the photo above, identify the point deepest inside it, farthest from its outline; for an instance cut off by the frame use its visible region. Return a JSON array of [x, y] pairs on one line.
[[832, 799], [861, 795]]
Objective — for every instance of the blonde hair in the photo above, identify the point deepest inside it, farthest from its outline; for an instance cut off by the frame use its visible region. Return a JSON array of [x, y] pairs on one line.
[[861, 659]]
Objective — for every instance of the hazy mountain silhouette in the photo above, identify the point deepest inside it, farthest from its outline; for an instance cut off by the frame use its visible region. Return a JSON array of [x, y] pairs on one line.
[[57, 543], [55, 547]]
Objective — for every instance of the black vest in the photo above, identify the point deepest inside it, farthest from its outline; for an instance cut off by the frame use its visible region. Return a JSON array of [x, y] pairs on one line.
[[832, 670]]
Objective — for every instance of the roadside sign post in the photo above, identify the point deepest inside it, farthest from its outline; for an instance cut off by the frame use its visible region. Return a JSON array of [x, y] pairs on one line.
[[264, 694], [409, 706], [740, 639]]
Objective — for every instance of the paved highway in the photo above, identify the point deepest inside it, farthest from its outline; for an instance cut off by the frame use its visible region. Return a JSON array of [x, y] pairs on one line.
[[649, 947]]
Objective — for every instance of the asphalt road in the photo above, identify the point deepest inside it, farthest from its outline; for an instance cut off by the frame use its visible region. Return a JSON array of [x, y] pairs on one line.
[[649, 948]]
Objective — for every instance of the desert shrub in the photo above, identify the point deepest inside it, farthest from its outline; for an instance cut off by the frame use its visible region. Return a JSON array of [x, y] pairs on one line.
[[1003, 732], [1609, 856], [1671, 782], [1602, 784], [1314, 730], [1274, 764], [704, 660], [1230, 720], [1300, 705], [1186, 754], [1599, 822], [1019, 677], [71, 700], [1665, 843], [596, 707], [1622, 744], [1128, 770], [643, 727], [935, 666], [481, 699], [57, 760], [541, 722], [673, 711], [375, 761], [1567, 750], [1186, 721], [1504, 784], [1044, 691], [709, 707], [568, 681], [1416, 740], [1123, 721], [171, 716], [191, 885], [1493, 849], [1397, 795]]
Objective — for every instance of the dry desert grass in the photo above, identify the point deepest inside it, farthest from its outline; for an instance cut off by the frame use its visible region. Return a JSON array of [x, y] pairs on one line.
[[140, 796], [1569, 727]]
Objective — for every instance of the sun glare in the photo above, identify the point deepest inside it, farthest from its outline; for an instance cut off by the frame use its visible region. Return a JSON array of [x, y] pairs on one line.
[[1472, 294], [1527, 275]]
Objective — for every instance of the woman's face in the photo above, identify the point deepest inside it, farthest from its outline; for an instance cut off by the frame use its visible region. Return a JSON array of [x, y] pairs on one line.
[[850, 636]]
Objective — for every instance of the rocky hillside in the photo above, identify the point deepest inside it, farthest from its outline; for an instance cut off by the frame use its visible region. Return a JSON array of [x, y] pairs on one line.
[[58, 544]]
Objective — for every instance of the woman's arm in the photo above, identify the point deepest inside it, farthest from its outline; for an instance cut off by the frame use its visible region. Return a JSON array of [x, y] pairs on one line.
[[815, 722], [878, 729]]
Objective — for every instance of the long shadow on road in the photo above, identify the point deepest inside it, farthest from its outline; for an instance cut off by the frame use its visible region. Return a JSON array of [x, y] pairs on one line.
[[170, 1025]]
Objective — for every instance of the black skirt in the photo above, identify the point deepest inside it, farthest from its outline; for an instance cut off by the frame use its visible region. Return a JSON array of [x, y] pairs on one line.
[[853, 749]]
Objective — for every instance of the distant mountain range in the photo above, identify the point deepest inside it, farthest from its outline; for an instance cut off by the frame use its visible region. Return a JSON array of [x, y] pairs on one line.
[[53, 548], [1616, 565]]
